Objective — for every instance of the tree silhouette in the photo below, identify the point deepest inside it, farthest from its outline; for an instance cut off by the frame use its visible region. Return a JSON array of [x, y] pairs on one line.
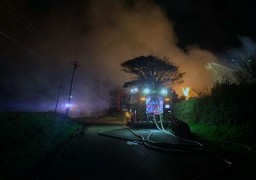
[[152, 71]]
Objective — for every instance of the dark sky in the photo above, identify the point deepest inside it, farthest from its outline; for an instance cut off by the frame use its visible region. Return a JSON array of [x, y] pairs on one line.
[[211, 24], [40, 39]]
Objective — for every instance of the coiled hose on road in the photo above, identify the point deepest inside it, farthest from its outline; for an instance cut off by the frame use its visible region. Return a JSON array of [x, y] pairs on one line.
[[162, 129], [197, 147]]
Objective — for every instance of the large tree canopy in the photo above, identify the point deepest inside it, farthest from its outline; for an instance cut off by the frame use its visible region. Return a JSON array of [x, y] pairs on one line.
[[152, 71]]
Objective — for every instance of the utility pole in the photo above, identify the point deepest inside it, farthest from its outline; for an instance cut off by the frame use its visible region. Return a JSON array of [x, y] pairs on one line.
[[71, 85], [58, 98]]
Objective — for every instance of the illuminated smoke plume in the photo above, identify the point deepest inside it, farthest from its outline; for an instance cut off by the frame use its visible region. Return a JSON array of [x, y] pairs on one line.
[[116, 31], [120, 32], [101, 35]]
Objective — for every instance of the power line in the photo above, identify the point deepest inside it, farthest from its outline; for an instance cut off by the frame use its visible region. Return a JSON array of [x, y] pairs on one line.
[[19, 43], [20, 18]]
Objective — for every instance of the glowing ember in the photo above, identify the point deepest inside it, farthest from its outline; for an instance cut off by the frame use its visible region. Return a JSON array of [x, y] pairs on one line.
[[186, 91]]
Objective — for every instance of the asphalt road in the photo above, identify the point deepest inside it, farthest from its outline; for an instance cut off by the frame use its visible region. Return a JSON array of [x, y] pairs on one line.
[[116, 156]]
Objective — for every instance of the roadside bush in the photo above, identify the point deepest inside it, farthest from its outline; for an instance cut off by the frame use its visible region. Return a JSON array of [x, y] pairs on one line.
[[187, 110], [229, 104], [227, 115]]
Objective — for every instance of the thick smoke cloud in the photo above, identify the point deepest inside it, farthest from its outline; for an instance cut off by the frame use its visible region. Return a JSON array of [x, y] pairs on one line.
[[120, 32], [101, 35]]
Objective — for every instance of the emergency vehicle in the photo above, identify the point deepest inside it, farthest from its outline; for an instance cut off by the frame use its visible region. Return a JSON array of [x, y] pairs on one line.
[[147, 106]]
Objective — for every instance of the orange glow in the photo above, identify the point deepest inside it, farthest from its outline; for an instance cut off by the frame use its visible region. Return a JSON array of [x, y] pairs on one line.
[[143, 98], [128, 115], [186, 91]]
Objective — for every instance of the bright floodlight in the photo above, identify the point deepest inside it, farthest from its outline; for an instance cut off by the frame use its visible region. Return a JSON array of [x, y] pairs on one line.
[[146, 91], [164, 91], [134, 90], [68, 105], [167, 106]]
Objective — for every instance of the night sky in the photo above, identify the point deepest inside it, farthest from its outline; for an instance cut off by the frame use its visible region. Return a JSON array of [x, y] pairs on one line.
[[41, 38]]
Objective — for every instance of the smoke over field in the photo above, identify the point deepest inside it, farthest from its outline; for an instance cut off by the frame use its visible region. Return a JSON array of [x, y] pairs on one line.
[[100, 35]]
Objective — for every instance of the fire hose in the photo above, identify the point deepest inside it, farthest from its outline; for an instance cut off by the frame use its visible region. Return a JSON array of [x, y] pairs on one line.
[[170, 147]]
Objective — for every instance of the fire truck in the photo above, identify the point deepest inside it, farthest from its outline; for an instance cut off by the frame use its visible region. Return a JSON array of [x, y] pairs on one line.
[[145, 106]]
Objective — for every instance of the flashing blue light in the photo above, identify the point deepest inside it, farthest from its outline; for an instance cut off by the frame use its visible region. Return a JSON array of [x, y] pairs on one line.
[[146, 91], [164, 91], [68, 105]]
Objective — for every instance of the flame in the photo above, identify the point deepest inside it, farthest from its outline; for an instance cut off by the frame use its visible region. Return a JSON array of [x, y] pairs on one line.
[[186, 91]]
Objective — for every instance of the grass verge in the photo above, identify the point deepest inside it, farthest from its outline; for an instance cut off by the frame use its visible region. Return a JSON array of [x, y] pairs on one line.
[[27, 138], [224, 138]]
